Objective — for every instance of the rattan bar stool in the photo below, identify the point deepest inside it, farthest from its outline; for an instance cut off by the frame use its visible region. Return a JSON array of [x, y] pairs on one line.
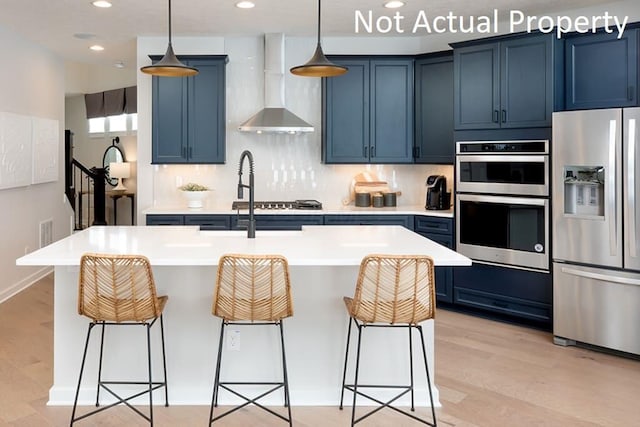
[[119, 290], [392, 291], [252, 290]]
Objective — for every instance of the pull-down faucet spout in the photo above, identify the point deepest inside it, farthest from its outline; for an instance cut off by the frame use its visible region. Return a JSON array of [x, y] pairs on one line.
[[251, 223]]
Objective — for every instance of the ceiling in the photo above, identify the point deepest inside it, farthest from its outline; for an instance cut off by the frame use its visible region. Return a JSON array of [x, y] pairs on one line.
[[53, 23]]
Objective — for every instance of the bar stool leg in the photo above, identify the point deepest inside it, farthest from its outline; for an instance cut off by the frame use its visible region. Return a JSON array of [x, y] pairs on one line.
[[426, 367], [216, 381], [100, 367], [164, 364], [413, 408], [346, 355], [286, 377], [84, 358], [148, 326], [355, 381]]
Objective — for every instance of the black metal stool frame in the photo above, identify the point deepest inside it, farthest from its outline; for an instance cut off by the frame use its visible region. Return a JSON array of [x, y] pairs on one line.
[[405, 389], [218, 384], [105, 384]]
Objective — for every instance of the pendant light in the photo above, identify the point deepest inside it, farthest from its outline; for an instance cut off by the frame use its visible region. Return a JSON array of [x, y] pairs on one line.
[[169, 65], [319, 65]]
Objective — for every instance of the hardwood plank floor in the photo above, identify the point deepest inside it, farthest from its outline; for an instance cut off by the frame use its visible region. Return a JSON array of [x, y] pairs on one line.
[[489, 374]]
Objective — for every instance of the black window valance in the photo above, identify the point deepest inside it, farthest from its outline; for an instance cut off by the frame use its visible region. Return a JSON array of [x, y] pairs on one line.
[[112, 102]]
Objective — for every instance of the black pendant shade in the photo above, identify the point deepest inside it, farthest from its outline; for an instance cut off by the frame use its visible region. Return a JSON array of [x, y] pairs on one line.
[[319, 65], [169, 65]]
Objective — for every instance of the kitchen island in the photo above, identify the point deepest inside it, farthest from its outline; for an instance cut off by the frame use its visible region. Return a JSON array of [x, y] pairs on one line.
[[324, 263]]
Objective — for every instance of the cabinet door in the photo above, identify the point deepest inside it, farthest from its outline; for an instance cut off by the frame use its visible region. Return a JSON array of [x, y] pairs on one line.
[[391, 111], [207, 112], [477, 87], [434, 110], [345, 114], [526, 82], [601, 71], [169, 128]]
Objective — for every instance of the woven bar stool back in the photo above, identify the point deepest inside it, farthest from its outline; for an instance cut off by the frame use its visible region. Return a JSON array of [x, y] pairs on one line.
[[119, 290], [392, 291], [252, 290]]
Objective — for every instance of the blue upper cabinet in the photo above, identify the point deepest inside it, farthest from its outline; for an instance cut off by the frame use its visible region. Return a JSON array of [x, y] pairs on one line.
[[434, 108], [368, 112], [601, 70], [504, 84], [189, 114]]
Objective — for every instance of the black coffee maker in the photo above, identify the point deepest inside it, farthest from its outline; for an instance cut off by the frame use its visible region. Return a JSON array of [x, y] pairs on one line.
[[437, 196]]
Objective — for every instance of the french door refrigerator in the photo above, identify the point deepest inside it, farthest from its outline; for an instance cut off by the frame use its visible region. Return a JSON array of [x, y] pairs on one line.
[[596, 249]]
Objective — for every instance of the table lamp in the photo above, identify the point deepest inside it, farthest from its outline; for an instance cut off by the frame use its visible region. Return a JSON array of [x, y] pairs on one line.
[[119, 170]]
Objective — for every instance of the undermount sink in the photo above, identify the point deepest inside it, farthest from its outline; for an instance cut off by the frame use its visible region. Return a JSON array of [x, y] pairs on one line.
[[243, 233]]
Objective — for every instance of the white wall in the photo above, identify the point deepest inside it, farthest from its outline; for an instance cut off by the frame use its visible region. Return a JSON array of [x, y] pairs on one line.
[[31, 83], [287, 166]]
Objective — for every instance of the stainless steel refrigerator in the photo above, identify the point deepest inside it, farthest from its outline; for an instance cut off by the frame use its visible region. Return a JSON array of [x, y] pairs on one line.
[[596, 220]]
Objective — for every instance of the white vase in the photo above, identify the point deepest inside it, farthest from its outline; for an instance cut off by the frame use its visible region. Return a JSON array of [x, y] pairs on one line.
[[195, 198]]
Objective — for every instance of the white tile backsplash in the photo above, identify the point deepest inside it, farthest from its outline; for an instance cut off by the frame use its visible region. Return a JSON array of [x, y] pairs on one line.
[[287, 166]]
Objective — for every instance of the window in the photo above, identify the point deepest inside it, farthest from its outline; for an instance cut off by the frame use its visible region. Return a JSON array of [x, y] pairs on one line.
[[122, 124]]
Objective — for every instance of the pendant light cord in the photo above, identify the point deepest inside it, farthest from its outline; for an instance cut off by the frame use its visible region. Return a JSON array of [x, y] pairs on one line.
[[169, 21], [319, 14]]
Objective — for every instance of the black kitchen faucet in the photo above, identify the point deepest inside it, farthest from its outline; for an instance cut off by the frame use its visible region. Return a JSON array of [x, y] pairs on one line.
[[251, 222]]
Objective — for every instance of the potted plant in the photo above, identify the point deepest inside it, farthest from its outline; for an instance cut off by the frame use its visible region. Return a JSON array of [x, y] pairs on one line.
[[195, 194]]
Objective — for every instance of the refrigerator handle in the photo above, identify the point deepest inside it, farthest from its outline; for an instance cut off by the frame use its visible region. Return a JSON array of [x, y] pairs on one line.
[[631, 187], [611, 184], [599, 276]]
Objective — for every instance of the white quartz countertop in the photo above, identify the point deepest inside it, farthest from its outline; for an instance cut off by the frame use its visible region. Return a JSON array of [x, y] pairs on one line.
[[187, 245], [327, 210]]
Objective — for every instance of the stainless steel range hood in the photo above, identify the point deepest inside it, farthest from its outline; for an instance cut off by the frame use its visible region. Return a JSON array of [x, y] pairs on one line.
[[274, 117]]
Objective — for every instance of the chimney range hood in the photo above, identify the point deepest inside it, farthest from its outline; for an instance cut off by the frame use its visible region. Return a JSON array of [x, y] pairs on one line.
[[274, 117]]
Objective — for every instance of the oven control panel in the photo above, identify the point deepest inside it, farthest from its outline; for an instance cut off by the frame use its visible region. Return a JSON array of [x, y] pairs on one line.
[[518, 147]]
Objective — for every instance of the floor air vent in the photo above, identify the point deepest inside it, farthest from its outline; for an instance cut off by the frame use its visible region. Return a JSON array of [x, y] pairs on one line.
[[46, 232]]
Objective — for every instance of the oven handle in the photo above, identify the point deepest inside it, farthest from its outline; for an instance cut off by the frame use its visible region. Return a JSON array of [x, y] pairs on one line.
[[503, 199], [502, 158]]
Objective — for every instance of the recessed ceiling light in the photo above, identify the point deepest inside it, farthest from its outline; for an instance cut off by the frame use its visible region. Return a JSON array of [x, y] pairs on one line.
[[393, 4], [245, 4], [96, 47], [119, 64], [101, 3]]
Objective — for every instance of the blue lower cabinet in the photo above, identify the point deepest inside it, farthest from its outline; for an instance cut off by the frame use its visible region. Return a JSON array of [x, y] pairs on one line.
[[403, 220], [209, 222], [279, 222], [508, 291], [165, 219], [440, 230]]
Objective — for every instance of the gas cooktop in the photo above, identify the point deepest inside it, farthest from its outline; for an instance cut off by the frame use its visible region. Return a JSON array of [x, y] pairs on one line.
[[278, 205]]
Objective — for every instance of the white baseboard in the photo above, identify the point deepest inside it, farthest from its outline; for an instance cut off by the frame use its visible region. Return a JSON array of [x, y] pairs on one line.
[[24, 283]]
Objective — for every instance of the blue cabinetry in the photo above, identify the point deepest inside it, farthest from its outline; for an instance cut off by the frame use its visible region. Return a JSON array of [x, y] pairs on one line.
[[403, 220], [440, 230], [280, 222], [367, 113], [601, 70], [189, 114], [504, 84], [165, 219], [434, 109]]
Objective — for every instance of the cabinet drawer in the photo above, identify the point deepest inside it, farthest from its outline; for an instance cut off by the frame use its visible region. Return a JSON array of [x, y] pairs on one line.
[[280, 222], [403, 220], [502, 304], [165, 220], [426, 224], [209, 222]]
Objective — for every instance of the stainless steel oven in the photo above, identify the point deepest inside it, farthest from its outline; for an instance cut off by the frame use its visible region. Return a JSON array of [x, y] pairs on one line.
[[503, 167], [502, 202], [503, 230]]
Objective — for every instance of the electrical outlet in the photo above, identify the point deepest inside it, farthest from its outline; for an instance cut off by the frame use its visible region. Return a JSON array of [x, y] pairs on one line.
[[233, 340]]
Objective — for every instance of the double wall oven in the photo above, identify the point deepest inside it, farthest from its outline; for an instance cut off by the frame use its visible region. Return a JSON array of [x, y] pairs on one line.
[[502, 202]]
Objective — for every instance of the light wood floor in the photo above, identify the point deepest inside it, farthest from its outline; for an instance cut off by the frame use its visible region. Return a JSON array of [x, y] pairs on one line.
[[489, 374]]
